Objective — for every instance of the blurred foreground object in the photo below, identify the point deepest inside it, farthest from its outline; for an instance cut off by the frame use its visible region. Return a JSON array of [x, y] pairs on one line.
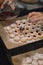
[[8, 10], [9, 2]]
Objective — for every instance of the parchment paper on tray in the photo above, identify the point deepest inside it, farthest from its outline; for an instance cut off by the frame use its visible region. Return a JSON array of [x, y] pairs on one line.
[[21, 32], [29, 58]]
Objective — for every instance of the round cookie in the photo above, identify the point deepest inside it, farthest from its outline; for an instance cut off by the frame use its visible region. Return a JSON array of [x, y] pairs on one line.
[[8, 28], [13, 25], [41, 56], [10, 31], [11, 36], [28, 60], [34, 62], [40, 62], [23, 39], [36, 57], [18, 22], [16, 38], [24, 21]]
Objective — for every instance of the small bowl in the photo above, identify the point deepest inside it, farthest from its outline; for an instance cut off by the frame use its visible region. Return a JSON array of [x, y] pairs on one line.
[[9, 14]]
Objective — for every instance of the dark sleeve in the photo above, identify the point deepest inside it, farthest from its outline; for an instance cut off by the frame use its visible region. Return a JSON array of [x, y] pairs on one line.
[[41, 0]]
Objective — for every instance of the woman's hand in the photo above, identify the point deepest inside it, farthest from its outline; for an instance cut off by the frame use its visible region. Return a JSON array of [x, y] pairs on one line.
[[36, 17], [9, 2]]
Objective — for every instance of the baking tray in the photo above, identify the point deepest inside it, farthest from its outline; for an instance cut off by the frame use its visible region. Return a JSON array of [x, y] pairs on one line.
[[9, 45], [16, 60]]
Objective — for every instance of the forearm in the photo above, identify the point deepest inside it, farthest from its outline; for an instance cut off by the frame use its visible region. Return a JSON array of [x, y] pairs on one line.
[[3, 4], [9, 2]]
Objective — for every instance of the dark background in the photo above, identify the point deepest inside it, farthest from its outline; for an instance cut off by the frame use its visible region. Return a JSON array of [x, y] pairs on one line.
[[3, 57]]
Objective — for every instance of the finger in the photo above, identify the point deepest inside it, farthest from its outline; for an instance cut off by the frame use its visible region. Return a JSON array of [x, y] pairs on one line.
[[11, 4], [34, 13], [1, 1], [2, 6], [40, 22], [37, 19]]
